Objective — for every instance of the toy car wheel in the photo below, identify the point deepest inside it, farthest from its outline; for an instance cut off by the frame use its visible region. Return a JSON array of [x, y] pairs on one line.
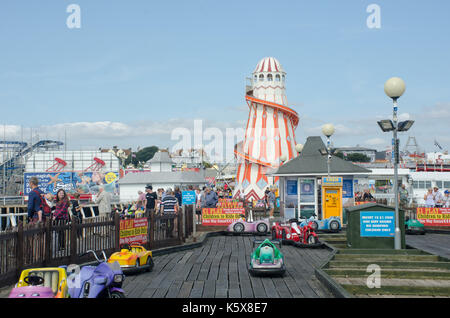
[[262, 228], [149, 263], [334, 225], [314, 225], [311, 239], [117, 294], [238, 228]]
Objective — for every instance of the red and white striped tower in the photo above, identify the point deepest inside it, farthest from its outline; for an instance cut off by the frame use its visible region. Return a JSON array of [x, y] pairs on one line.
[[270, 132]]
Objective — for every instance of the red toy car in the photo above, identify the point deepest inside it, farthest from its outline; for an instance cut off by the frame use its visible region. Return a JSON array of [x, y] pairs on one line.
[[292, 233]]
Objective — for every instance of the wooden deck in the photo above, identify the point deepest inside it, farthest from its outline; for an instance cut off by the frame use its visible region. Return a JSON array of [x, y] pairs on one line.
[[437, 244], [219, 269]]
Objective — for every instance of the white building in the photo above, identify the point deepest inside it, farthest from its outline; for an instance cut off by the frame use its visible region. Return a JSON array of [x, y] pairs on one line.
[[161, 176]]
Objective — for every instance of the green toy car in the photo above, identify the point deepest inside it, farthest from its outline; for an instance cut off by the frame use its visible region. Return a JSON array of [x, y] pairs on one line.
[[267, 259], [413, 226]]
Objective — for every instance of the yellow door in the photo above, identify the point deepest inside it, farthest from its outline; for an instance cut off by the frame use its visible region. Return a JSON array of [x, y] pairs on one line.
[[332, 202]]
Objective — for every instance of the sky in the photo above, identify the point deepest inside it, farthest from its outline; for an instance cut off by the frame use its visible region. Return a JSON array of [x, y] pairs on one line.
[[137, 70]]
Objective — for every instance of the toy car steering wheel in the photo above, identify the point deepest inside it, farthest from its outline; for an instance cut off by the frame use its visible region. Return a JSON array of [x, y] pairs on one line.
[[34, 280], [125, 247]]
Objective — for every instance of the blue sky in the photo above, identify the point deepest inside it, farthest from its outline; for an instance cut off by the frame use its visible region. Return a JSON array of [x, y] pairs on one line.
[[137, 69]]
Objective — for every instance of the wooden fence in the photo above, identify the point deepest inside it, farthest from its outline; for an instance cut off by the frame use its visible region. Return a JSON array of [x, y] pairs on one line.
[[58, 243]]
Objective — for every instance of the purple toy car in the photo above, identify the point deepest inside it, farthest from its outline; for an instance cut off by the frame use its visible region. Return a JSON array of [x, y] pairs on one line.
[[34, 290], [242, 226]]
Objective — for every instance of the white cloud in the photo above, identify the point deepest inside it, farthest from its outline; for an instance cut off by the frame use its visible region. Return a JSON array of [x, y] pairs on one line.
[[376, 142]]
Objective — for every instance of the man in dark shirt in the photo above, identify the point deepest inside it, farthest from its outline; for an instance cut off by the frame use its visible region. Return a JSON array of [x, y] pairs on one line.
[[211, 198], [151, 199], [34, 200]]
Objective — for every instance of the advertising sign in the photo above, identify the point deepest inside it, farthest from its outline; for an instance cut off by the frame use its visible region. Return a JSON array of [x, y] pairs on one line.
[[133, 231], [291, 187], [347, 188], [230, 204], [221, 216], [188, 197], [332, 181], [377, 224], [307, 189], [434, 216], [81, 182]]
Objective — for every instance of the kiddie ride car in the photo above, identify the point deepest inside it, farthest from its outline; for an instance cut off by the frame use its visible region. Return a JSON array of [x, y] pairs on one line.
[[132, 258], [413, 226], [267, 259], [260, 227], [101, 281], [50, 282], [292, 233], [332, 224]]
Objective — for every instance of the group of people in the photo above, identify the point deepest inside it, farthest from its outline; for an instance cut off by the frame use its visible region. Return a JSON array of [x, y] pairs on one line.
[[56, 207], [436, 199], [364, 196]]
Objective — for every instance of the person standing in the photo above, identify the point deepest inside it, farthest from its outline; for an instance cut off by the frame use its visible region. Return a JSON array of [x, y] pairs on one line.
[[198, 205], [76, 211], [178, 195], [271, 201], [211, 198], [141, 196], [446, 199], [151, 199], [429, 199], [61, 215], [438, 198], [169, 208], [34, 201], [104, 202]]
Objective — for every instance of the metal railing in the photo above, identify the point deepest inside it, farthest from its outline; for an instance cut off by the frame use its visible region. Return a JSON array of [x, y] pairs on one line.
[[11, 200]]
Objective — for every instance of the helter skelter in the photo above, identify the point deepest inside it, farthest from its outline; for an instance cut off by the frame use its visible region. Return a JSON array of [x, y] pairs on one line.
[[270, 133]]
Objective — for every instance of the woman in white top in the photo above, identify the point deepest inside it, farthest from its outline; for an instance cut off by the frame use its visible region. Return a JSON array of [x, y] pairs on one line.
[[429, 199]]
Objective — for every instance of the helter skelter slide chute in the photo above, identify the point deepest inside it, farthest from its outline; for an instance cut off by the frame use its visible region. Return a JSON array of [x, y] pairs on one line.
[[270, 131]]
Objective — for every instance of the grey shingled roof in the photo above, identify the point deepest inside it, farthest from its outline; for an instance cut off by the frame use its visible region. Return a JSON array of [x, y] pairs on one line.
[[161, 157], [311, 161], [175, 177]]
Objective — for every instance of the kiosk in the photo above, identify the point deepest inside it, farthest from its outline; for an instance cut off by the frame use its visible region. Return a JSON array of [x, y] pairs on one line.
[[305, 185], [332, 197]]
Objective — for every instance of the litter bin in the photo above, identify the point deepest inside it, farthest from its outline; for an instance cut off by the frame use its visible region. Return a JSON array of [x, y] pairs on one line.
[[372, 225]]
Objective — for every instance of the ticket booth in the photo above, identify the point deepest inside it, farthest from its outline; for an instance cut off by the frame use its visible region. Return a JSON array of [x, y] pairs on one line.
[[332, 197], [310, 189]]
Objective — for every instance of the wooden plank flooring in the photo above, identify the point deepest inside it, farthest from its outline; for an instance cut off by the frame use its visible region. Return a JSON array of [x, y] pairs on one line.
[[219, 269], [437, 244]]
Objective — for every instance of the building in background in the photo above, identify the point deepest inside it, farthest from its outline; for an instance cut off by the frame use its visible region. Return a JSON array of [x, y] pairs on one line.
[[161, 175], [370, 153]]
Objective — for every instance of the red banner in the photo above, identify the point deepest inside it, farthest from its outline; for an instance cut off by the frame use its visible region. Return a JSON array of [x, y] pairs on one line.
[[133, 231], [221, 217], [434, 216], [364, 202]]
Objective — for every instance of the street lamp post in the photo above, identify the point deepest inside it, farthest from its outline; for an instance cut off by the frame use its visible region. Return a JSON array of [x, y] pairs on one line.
[[328, 130], [394, 88]]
